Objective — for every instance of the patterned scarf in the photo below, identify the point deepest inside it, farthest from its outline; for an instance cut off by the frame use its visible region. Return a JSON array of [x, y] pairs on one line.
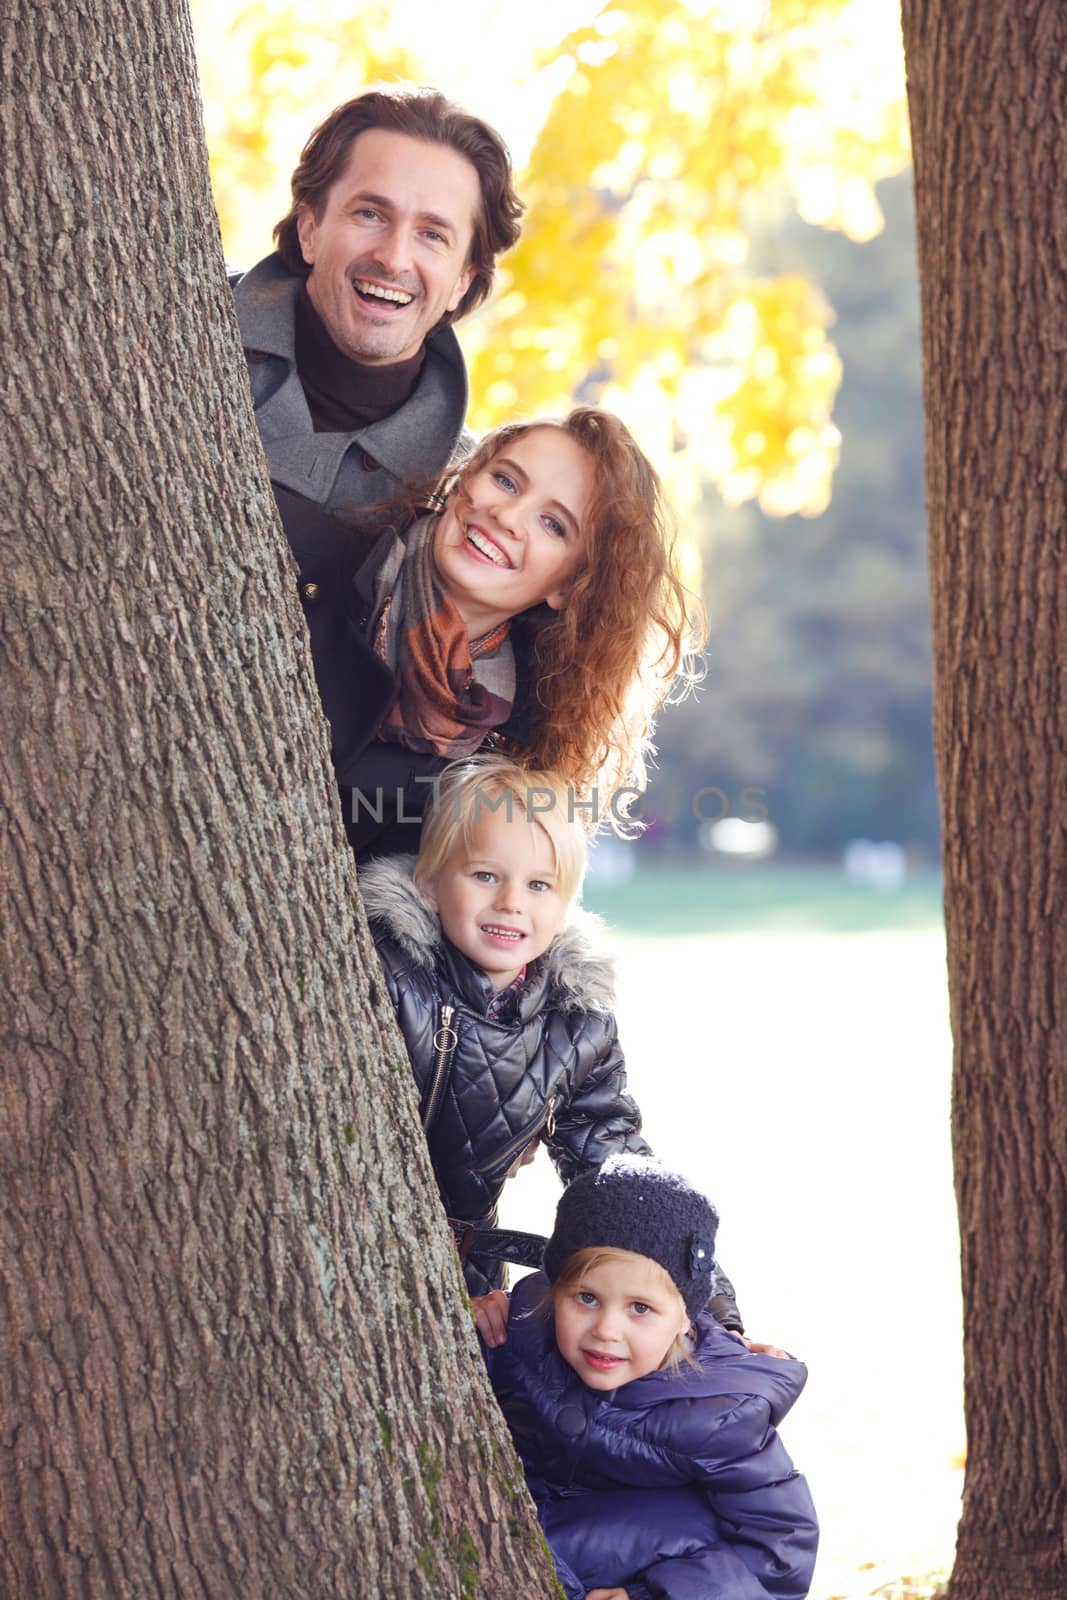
[[452, 692]]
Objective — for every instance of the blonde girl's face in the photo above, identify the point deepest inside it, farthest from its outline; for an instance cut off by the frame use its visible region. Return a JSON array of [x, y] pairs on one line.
[[513, 536], [619, 1321], [498, 896]]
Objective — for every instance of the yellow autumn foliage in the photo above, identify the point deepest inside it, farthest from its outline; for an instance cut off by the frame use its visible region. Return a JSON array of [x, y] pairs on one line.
[[680, 128], [679, 131]]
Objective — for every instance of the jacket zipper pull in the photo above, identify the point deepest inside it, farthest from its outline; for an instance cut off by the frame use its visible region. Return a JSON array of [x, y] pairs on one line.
[[445, 1041], [550, 1119]]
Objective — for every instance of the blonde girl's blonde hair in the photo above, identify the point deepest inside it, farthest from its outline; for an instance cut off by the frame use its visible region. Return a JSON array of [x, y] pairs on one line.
[[578, 1266], [495, 785], [625, 640]]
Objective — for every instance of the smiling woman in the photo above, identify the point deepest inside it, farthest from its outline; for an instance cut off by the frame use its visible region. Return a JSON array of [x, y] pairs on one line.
[[537, 612], [512, 535]]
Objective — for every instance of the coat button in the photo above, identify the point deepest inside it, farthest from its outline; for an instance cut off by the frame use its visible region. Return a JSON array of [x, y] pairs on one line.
[[571, 1421], [368, 463], [311, 593]]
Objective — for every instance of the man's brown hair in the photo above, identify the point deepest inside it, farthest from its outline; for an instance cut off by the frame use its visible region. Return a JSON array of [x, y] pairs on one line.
[[419, 113]]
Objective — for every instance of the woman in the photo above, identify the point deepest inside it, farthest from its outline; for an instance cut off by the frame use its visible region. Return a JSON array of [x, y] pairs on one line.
[[538, 611]]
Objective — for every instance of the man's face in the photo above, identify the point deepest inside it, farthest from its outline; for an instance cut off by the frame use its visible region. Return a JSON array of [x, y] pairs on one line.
[[389, 254]]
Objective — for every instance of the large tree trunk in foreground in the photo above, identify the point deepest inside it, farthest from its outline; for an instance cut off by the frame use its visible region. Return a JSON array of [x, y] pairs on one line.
[[988, 96], [233, 1359]]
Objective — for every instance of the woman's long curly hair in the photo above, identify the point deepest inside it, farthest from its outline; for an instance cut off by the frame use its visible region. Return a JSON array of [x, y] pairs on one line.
[[626, 637]]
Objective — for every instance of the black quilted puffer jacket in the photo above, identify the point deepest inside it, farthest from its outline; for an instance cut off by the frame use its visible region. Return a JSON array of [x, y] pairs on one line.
[[555, 1073]]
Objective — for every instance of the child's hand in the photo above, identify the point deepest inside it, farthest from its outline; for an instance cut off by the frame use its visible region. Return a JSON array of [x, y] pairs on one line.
[[764, 1349], [491, 1316], [523, 1159], [608, 1594]]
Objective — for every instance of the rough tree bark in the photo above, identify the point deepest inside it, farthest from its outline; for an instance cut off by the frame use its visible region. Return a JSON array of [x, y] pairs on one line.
[[233, 1358], [988, 97]]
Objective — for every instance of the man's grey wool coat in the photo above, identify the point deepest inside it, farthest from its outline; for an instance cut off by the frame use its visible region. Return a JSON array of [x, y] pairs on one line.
[[342, 471]]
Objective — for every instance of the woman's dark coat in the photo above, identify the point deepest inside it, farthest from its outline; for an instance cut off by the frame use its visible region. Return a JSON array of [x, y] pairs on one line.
[[675, 1486], [556, 1073], [384, 786], [381, 799]]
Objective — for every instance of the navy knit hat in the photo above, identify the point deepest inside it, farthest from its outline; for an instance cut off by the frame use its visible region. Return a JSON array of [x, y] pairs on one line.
[[634, 1203]]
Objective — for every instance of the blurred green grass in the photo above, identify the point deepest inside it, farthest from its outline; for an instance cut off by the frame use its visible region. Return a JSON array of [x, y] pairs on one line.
[[708, 896]]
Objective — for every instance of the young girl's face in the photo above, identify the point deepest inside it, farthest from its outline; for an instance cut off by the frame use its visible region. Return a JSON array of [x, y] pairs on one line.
[[619, 1320], [498, 894], [513, 536]]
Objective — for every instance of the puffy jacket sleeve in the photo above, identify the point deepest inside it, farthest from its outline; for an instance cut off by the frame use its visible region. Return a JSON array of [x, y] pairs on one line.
[[676, 1545], [600, 1119], [769, 1557], [610, 1536], [721, 1572], [768, 1530], [723, 1303]]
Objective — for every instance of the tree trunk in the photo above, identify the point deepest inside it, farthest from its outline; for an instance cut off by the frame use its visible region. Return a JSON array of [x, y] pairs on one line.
[[988, 96], [233, 1357]]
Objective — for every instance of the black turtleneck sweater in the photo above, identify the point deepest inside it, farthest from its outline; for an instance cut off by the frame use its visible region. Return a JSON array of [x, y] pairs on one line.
[[343, 394]]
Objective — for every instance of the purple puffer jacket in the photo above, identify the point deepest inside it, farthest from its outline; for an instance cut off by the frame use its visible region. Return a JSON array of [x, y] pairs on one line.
[[676, 1486]]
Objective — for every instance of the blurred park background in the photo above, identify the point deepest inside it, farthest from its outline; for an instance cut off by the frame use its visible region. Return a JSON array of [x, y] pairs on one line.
[[719, 245]]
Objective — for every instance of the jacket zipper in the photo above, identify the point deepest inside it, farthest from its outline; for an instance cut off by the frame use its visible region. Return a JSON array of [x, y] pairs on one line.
[[445, 1041], [547, 1121]]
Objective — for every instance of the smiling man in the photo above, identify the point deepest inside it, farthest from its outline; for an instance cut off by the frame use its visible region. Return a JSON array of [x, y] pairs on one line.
[[401, 204]]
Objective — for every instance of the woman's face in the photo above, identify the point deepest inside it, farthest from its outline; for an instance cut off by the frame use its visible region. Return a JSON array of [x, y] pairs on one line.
[[513, 536]]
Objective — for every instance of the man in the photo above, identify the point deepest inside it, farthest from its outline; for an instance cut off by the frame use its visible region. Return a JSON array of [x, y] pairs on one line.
[[401, 203]]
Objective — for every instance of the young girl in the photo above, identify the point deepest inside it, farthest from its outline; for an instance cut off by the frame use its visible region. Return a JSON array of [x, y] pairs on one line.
[[503, 992], [538, 609], [646, 1430]]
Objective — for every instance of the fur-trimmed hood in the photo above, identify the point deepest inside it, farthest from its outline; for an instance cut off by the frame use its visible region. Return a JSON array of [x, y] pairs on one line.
[[575, 967]]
